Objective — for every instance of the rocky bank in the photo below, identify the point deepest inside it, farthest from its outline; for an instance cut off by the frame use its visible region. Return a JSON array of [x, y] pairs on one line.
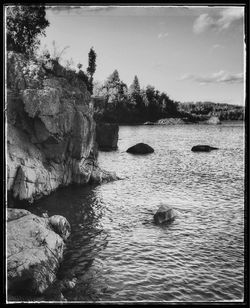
[[50, 129], [50, 142], [34, 251]]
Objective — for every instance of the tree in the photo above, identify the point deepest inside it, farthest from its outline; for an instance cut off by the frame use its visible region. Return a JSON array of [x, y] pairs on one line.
[[135, 86], [92, 67], [135, 94], [24, 24], [113, 79]]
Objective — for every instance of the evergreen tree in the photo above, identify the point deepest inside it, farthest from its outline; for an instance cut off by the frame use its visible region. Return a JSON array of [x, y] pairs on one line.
[[135, 86], [92, 63], [91, 68]]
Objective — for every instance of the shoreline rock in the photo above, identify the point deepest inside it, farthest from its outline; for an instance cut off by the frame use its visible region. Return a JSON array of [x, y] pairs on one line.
[[34, 250], [213, 121], [51, 133], [107, 136]]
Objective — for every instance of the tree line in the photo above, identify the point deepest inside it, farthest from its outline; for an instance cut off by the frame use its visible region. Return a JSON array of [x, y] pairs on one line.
[[132, 104]]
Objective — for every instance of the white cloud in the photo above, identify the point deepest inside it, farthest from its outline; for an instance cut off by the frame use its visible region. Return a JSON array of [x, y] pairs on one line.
[[220, 22], [162, 35], [215, 46], [229, 15], [218, 77], [202, 23]]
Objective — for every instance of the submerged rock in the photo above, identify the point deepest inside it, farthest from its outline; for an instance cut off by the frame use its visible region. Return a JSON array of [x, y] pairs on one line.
[[140, 148], [164, 214], [34, 252], [203, 148]]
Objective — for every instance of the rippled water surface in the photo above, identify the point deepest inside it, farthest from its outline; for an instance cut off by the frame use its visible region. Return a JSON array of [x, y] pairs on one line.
[[116, 251]]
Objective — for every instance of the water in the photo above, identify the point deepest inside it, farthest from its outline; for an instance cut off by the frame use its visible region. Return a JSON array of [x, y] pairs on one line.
[[116, 251]]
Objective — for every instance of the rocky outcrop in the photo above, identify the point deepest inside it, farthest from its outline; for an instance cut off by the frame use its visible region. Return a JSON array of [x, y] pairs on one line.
[[213, 120], [50, 128], [107, 136], [140, 148], [203, 148], [164, 214], [167, 121], [35, 248]]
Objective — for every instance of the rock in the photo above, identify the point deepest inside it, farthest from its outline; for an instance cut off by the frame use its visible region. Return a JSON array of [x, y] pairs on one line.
[[140, 148], [50, 128], [213, 120], [60, 225], [167, 121], [164, 214], [99, 176], [170, 121], [149, 123], [203, 148], [107, 136], [34, 252], [68, 284]]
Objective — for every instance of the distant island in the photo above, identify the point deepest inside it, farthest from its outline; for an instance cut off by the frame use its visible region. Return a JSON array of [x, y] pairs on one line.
[[115, 102]]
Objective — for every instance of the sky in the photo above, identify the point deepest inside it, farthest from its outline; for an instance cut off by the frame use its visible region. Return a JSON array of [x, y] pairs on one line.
[[190, 53]]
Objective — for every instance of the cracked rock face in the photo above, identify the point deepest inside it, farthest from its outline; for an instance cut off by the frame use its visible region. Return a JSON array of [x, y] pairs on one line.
[[34, 250], [50, 129]]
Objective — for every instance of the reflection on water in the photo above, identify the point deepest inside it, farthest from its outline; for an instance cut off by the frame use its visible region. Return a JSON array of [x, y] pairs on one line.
[[119, 254]]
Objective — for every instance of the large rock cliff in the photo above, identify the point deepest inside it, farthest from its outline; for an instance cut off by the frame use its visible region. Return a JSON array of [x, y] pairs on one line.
[[50, 129]]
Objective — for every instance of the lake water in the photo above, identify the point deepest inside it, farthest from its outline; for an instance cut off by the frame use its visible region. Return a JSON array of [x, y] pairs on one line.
[[116, 251]]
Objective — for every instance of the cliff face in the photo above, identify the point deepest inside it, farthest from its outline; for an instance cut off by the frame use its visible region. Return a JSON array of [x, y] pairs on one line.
[[50, 129]]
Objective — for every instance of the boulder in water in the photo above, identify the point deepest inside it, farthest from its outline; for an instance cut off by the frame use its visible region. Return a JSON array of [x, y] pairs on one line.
[[203, 148], [140, 148], [164, 214]]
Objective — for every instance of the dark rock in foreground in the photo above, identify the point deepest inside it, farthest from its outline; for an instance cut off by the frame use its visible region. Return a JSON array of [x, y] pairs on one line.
[[203, 148], [35, 248], [164, 214], [140, 148]]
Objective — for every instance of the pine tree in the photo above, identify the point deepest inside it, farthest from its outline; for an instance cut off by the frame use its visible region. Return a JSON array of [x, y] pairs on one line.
[[135, 86], [91, 68]]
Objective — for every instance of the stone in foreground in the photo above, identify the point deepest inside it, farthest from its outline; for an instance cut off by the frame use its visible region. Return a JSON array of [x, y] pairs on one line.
[[203, 148], [34, 250], [140, 148], [164, 214]]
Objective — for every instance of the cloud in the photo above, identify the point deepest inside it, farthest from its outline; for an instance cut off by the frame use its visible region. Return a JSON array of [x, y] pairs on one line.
[[215, 46], [220, 22], [162, 35], [73, 9], [202, 23], [219, 77], [230, 15]]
